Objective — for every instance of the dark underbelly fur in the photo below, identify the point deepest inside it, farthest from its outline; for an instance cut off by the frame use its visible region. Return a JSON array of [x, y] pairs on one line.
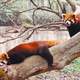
[[16, 58], [73, 29]]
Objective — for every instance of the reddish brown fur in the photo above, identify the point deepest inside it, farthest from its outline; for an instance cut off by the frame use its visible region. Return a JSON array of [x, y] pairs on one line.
[[33, 46]]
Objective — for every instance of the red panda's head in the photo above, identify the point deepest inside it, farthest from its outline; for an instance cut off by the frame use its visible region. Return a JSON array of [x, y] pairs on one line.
[[72, 22], [3, 57], [69, 18]]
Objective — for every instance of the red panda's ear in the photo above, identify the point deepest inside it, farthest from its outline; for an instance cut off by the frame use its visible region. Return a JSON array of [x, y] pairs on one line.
[[73, 16], [63, 16], [5, 56]]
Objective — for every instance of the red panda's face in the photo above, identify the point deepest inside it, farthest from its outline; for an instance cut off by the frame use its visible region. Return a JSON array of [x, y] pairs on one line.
[[3, 57], [69, 18]]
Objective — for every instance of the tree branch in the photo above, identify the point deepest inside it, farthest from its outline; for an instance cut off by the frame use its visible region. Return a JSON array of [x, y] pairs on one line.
[[49, 4], [60, 5], [72, 5], [22, 34], [43, 8], [34, 3]]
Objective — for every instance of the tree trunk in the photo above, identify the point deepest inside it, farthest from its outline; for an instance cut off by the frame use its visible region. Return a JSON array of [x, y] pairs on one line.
[[63, 54]]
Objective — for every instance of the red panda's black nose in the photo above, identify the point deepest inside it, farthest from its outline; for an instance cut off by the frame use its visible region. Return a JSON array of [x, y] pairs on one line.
[[68, 23]]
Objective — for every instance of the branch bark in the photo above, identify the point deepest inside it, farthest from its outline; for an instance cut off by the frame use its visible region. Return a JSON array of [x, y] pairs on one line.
[[64, 53]]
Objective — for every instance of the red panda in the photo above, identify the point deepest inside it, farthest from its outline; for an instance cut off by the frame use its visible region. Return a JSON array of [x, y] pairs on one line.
[[19, 53], [73, 23]]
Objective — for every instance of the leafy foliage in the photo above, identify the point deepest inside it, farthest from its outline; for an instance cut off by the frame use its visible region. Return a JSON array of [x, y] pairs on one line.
[[73, 67]]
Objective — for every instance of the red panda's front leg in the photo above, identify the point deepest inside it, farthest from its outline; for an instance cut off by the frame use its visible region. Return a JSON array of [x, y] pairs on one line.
[[45, 53]]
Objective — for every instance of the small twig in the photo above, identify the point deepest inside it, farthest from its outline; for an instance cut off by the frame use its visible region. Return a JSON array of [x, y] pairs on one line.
[[60, 5], [12, 21], [33, 16], [4, 36], [34, 3], [30, 35], [49, 4], [27, 10]]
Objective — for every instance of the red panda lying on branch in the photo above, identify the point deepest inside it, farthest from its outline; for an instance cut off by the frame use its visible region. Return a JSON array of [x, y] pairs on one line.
[[19, 53]]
